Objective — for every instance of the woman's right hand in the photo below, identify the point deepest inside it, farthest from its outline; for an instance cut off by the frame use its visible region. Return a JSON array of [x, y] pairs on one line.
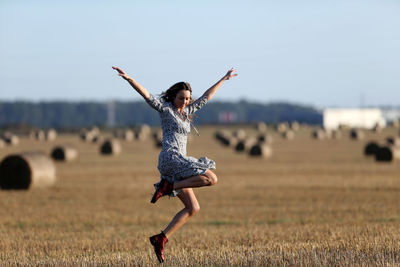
[[121, 73]]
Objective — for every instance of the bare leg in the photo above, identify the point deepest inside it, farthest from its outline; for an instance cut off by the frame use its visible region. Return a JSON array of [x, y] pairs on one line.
[[206, 179], [191, 208]]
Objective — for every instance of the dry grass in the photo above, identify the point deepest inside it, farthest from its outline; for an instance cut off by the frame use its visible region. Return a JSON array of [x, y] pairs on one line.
[[313, 203]]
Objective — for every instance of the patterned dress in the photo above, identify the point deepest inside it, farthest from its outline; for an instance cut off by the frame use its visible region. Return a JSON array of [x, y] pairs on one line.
[[173, 163]]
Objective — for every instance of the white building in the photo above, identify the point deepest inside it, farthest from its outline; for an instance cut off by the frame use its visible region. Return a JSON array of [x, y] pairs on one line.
[[353, 117]]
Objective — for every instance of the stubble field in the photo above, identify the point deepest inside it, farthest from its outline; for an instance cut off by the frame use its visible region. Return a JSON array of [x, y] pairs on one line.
[[313, 203]]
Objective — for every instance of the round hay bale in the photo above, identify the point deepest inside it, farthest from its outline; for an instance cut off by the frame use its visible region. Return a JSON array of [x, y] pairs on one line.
[[387, 154], [289, 134], [27, 170], [371, 148], [344, 127], [110, 147], [40, 135], [295, 126], [127, 135], [226, 138], [95, 130], [87, 136], [395, 123], [328, 133], [394, 141], [282, 127], [318, 134], [50, 135], [240, 134], [64, 153], [11, 139], [356, 134], [117, 133], [261, 150], [158, 142], [143, 129], [230, 141], [221, 134], [157, 135], [141, 136], [265, 138], [97, 139], [245, 145], [377, 128], [261, 127], [336, 134]]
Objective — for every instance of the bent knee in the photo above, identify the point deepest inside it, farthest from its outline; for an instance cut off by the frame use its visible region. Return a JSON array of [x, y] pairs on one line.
[[212, 178], [194, 210]]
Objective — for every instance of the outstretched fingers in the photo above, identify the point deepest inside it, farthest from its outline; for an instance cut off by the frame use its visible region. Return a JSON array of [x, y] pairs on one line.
[[119, 70], [231, 73]]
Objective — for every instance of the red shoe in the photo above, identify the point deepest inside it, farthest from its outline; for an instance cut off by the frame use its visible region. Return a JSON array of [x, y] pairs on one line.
[[165, 188], [158, 241]]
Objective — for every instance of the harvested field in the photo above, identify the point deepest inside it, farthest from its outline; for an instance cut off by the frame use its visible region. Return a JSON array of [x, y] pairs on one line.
[[312, 203]]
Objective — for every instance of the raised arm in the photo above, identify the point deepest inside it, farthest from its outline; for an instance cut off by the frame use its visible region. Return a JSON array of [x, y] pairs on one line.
[[140, 89], [213, 89]]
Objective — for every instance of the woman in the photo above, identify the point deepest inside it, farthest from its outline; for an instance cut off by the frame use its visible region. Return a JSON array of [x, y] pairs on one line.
[[179, 172]]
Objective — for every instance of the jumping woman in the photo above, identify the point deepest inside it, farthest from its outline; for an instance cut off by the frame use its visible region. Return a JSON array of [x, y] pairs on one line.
[[179, 172]]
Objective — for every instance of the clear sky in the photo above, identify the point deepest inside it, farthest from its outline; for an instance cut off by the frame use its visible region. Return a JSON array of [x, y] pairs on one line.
[[326, 53]]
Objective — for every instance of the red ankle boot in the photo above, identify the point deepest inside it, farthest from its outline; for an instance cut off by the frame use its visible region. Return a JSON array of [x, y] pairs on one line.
[[158, 242], [165, 188]]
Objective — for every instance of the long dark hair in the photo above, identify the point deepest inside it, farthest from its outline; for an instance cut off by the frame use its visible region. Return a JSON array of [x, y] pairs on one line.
[[170, 94]]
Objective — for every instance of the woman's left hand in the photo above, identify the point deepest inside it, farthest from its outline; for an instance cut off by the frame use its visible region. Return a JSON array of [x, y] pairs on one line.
[[230, 74]]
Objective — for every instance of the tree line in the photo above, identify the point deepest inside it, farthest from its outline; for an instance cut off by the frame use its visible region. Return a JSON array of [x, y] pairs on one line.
[[60, 114]]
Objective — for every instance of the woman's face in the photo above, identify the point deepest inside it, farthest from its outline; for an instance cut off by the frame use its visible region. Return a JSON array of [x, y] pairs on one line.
[[182, 99]]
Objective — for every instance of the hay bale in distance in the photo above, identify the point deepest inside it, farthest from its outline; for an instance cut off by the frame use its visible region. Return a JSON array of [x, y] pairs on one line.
[[245, 145], [261, 127], [336, 134], [219, 135], [295, 126], [261, 150], [289, 134], [318, 134], [93, 135], [144, 128], [110, 147], [50, 135], [395, 123], [394, 141], [27, 170], [356, 134], [240, 134], [39, 135], [282, 127], [64, 153], [377, 128], [265, 138], [230, 141], [371, 148], [87, 136], [226, 138], [128, 135], [158, 142], [95, 130], [10, 139], [387, 154], [140, 135]]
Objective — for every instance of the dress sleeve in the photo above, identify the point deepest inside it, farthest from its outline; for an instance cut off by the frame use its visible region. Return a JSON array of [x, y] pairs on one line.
[[196, 105], [155, 103]]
